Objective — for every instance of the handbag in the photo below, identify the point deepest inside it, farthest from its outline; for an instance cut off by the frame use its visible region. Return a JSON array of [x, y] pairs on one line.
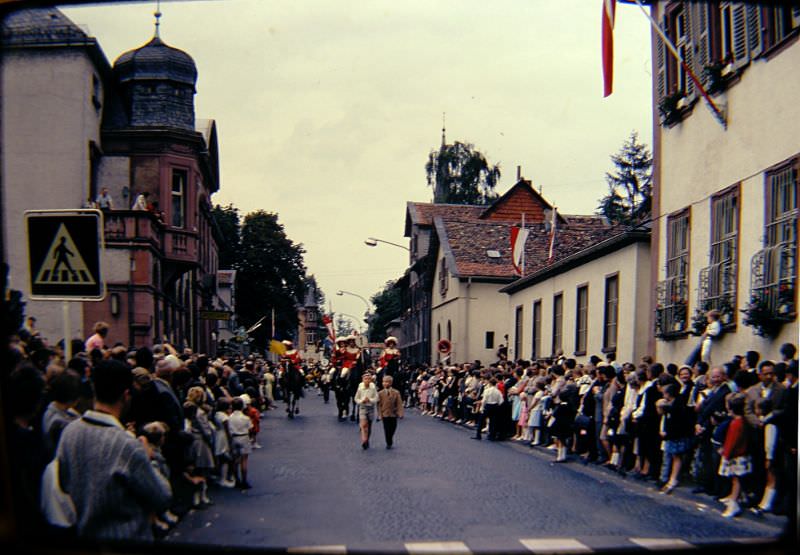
[[57, 506]]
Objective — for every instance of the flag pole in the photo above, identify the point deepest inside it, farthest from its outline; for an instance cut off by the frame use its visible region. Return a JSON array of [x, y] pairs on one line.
[[523, 247], [720, 117]]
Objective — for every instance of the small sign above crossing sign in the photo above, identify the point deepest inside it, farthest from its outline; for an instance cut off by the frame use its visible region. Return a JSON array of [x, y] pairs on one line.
[[64, 254]]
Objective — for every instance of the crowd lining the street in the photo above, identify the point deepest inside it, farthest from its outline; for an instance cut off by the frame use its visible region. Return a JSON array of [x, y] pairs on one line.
[[141, 435]]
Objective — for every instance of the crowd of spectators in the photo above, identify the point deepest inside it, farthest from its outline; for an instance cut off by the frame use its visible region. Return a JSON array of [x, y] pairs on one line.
[[728, 431], [135, 438]]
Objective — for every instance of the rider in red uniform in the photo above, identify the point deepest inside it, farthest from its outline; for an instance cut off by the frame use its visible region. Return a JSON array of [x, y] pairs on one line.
[[351, 353], [391, 352], [292, 356]]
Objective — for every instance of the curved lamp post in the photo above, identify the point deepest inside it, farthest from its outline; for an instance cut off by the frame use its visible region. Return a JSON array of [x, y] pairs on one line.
[[373, 242]]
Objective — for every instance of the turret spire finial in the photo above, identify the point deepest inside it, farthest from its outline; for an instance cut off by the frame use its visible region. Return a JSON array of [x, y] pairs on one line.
[[443, 128], [158, 17]]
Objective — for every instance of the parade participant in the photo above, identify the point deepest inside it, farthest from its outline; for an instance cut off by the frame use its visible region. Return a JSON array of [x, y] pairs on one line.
[[351, 353], [390, 408], [291, 356], [390, 353], [341, 377], [352, 358], [337, 355], [366, 399]]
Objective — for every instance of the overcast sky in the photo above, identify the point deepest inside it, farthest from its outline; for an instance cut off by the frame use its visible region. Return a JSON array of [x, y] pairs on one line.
[[327, 109]]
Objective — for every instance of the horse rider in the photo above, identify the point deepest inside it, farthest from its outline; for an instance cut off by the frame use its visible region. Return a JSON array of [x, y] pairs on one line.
[[389, 361], [340, 378]]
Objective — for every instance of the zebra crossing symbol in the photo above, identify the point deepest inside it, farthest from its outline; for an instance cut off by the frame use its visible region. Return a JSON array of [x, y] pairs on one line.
[[64, 251], [64, 264]]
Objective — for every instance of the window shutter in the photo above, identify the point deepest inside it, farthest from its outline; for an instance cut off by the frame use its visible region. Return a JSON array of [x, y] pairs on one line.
[[700, 38], [755, 41], [661, 67], [740, 55], [688, 51]]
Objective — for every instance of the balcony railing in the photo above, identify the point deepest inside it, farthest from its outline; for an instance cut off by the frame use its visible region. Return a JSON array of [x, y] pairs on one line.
[[139, 226], [716, 291], [773, 280], [132, 226], [671, 302]]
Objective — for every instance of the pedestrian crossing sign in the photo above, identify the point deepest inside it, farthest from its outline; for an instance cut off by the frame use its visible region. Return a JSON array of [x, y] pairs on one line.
[[64, 254]]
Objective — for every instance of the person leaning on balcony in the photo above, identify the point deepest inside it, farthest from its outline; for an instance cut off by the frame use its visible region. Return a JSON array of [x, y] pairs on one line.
[[712, 331], [141, 201], [104, 201]]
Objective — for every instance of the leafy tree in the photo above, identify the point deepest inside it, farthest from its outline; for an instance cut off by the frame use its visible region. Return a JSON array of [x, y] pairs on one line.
[[229, 243], [387, 307], [270, 276], [343, 325], [459, 174], [629, 195]]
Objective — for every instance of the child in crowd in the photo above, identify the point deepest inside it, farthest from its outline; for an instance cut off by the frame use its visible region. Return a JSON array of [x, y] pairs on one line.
[[200, 460], [156, 434], [764, 413], [222, 443], [254, 414], [239, 425], [736, 461], [538, 405]]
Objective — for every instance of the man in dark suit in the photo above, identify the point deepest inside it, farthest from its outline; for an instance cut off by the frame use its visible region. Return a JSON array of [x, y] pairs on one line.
[[709, 412]]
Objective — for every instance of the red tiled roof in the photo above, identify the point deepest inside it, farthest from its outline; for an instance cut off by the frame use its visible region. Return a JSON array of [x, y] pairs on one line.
[[425, 212], [468, 242]]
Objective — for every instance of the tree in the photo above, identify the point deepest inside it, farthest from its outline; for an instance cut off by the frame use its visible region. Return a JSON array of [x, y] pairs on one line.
[[459, 174], [270, 276], [343, 326], [229, 243], [387, 307], [629, 195]]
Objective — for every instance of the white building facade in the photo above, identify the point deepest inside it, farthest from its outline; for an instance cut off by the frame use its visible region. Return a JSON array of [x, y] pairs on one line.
[[594, 302], [725, 193]]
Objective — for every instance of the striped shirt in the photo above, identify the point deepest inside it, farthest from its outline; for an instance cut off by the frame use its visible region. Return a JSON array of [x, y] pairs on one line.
[[109, 476]]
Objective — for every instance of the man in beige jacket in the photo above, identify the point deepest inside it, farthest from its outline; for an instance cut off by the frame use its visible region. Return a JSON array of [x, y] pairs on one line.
[[390, 408]]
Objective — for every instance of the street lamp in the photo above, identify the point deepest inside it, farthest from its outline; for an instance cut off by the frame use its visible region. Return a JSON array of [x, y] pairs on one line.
[[366, 302], [373, 242]]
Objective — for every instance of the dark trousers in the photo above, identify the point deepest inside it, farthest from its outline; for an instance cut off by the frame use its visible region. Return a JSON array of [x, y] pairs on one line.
[[480, 421], [342, 402], [494, 414], [389, 428]]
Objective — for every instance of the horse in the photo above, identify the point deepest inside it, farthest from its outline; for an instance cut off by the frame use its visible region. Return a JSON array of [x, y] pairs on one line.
[[292, 382], [341, 389], [354, 379]]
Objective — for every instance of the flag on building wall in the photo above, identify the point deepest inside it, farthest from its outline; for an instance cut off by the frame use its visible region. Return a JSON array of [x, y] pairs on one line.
[[518, 237], [609, 7]]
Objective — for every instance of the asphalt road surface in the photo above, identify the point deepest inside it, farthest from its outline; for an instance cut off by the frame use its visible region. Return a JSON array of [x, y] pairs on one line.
[[316, 490]]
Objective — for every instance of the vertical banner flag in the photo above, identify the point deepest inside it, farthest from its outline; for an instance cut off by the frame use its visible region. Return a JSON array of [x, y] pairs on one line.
[[329, 324], [609, 6], [552, 233], [518, 237]]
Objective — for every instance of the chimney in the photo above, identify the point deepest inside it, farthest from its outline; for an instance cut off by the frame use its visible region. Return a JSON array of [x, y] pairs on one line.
[[519, 173]]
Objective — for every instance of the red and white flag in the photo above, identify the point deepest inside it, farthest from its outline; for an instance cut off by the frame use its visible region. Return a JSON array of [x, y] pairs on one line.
[[518, 237], [329, 324], [609, 6]]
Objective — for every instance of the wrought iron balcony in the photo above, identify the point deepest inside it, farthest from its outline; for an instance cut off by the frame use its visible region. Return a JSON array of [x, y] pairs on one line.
[[773, 280], [716, 291], [671, 307]]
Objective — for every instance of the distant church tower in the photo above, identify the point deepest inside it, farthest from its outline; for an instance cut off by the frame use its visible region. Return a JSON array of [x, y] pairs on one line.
[[439, 187], [157, 83]]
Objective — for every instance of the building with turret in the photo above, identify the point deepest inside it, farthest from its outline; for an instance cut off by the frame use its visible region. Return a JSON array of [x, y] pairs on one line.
[[73, 125]]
